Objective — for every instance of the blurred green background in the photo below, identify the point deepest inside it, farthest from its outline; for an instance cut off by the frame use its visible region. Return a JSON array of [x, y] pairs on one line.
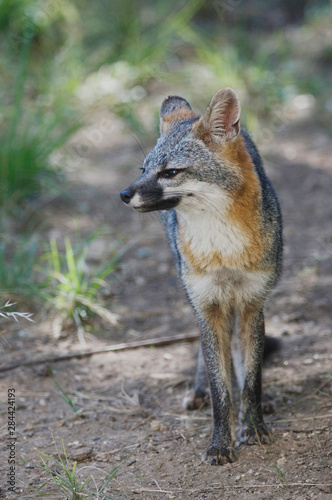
[[64, 61]]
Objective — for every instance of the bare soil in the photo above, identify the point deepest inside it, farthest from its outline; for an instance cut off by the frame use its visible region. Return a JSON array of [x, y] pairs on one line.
[[130, 403]]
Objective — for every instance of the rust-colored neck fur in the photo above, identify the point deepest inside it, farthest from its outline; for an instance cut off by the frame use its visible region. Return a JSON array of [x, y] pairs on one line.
[[243, 215]]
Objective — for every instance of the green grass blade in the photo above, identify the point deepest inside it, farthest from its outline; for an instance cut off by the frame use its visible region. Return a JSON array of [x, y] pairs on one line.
[[67, 399], [70, 261], [55, 259]]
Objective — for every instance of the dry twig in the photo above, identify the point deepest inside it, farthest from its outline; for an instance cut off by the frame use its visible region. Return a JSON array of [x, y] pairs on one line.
[[117, 347]]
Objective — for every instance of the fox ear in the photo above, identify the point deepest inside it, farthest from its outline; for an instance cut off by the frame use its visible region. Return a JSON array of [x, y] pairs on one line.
[[221, 121], [173, 110]]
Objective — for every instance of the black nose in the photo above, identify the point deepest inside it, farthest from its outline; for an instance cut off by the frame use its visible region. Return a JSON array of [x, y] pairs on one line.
[[126, 195]]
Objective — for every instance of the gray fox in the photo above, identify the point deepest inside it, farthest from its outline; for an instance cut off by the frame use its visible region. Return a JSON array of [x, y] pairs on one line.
[[224, 226]]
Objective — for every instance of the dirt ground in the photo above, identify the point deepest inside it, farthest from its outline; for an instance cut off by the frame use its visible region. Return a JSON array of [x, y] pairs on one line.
[[130, 412]]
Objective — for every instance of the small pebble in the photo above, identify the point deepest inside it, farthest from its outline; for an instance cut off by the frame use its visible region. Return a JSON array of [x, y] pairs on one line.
[[81, 454], [143, 252], [281, 460], [155, 425]]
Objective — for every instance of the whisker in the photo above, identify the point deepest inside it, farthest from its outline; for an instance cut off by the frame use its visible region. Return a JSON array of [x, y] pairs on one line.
[[140, 144], [157, 218], [137, 158], [198, 197]]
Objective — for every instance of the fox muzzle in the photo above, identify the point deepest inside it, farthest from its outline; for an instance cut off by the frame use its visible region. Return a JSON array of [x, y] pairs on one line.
[[148, 198]]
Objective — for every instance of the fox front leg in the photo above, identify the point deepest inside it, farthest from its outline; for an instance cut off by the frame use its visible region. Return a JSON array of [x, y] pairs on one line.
[[216, 351], [250, 334]]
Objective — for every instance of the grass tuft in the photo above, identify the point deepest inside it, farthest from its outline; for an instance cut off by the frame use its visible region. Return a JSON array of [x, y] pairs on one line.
[[74, 289], [69, 480]]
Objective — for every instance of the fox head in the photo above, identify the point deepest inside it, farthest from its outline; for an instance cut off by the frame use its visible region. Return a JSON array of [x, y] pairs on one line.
[[192, 157]]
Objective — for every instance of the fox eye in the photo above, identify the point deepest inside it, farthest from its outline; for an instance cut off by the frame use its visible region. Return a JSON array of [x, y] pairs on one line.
[[169, 174]]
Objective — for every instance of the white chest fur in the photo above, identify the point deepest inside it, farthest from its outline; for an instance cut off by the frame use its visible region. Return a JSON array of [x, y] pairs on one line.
[[210, 232], [225, 286], [204, 222]]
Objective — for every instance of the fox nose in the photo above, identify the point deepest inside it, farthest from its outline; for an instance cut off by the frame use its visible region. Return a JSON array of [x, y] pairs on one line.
[[126, 195]]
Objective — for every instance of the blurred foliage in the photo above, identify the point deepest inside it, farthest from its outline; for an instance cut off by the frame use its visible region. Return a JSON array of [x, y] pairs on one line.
[[110, 53], [141, 33], [30, 136], [18, 260]]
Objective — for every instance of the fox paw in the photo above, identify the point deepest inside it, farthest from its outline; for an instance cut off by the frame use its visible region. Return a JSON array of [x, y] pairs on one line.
[[250, 434], [194, 401], [219, 456]]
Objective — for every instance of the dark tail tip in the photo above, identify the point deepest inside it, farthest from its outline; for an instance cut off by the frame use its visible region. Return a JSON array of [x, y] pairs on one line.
[[271, 345]]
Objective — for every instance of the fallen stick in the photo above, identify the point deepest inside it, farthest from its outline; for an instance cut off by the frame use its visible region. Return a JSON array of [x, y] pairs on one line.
[[117, 347], [248, 486]]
